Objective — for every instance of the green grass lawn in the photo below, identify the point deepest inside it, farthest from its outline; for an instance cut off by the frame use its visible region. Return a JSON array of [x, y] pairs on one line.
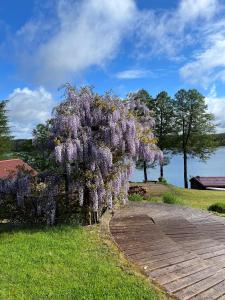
[[67, 262], [194, 198], [198, 198]]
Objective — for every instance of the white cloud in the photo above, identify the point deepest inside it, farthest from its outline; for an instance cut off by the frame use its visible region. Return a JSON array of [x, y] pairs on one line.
[[133, 74], [167, 32], [216, 105], [27, 108], [208, 65], [190, 10], [74, 35], [83, 34]]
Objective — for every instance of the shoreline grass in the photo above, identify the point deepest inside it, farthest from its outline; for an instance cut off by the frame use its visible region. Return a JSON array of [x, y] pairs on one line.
[[201, 199]]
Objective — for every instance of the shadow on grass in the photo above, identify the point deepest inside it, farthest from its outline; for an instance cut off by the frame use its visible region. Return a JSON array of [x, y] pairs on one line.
[[12, 228], [32, 229]]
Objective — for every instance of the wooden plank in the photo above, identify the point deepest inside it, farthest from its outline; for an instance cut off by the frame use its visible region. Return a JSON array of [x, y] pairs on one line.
[[212, 293], [181, 273], [160, 251], [209, 249], [190, 280], [130, 248], [166, 256], [213, 254], [167, 262], [176, 267], [201, 286], [216, 259], [156, 254]]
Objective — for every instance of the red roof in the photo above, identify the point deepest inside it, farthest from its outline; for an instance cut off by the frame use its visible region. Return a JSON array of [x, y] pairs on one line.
[[210, 181], [8, 167]]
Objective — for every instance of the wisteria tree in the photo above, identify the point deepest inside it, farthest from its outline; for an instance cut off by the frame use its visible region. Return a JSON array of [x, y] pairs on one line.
[[97, 140]]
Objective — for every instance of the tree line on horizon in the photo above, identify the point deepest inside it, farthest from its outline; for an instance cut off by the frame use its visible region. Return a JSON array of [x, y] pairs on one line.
[[182, 125]]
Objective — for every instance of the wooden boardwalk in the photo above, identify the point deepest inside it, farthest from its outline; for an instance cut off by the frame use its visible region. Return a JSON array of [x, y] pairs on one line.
[[180, 248]]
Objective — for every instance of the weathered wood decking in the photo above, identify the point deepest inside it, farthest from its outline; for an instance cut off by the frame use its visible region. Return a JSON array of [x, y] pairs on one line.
[[182, 249]]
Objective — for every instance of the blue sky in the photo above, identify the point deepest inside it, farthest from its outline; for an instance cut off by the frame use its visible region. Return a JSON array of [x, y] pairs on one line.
[[111, 45]]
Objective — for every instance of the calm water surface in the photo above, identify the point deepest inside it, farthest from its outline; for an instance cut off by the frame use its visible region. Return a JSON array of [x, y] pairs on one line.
[[173, 173]]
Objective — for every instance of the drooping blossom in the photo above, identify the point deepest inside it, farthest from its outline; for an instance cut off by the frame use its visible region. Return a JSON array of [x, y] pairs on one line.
[[101, 136]]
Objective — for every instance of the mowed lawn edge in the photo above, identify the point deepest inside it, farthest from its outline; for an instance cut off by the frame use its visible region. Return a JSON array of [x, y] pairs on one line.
[[200, 199], [67, 262]]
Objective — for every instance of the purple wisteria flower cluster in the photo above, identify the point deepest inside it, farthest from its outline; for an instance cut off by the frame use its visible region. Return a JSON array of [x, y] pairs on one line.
[[18, 184], [97, 139], [35, 197]]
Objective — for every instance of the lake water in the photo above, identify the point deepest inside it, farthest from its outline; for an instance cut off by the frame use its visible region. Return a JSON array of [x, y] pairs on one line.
[[173, 172]]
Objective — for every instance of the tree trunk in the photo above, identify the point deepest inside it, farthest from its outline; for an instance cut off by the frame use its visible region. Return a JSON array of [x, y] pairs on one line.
[[66, 177], [161, 171], [86, 208], [145, 172], [185, 171]]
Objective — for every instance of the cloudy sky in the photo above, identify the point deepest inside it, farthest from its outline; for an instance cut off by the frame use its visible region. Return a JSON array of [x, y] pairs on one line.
[[119, 45]]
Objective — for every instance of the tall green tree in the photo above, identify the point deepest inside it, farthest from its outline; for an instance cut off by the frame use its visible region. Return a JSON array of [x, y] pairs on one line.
[[194, 126], [37, 152], [5, 138], [163, 109], [42, 147], [146, 98]]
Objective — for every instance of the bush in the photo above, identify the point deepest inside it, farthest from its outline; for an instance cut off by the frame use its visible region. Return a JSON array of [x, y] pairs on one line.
[[217, 207], [162, 180], [136, 197], [170, 198]]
